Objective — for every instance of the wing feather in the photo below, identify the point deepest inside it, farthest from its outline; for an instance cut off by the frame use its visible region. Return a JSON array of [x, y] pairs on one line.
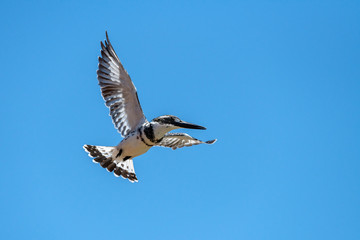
[[179, 140], [118, 91]]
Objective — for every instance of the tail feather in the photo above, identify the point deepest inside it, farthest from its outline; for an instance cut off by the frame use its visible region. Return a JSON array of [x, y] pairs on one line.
[[107, 162], [111, 167], [103, 155], [125, 169]]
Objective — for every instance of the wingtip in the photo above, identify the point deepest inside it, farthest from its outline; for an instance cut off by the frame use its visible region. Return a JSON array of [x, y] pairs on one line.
[[211, 141], [102, 45], [107, 37]]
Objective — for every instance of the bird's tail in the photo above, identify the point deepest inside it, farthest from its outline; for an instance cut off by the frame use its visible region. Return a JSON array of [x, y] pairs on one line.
[[104, 156]]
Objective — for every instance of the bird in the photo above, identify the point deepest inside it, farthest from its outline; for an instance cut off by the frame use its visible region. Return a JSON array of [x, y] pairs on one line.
[[139, 135]]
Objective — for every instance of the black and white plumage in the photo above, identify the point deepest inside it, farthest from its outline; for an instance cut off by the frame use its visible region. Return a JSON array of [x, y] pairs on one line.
[[179, 140], [140, 135], [118, 91]]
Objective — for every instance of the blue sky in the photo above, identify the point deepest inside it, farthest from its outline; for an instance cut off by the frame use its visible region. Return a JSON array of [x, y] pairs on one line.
[[276, 82]]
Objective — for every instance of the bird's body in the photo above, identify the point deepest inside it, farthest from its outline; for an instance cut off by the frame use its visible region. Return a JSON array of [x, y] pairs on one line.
[[140, 135], [131, 146]]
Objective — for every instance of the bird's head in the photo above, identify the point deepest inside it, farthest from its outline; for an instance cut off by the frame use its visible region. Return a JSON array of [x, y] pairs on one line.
[[175, 122]]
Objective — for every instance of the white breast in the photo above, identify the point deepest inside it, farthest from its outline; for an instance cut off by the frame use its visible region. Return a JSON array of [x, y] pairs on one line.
[[132, 146]]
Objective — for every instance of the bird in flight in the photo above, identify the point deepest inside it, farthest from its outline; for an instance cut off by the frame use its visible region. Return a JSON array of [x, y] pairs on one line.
[[139, 134]]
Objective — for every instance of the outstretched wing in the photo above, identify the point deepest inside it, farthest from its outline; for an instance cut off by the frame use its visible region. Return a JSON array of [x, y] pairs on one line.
[[118, 91], [179, 140]]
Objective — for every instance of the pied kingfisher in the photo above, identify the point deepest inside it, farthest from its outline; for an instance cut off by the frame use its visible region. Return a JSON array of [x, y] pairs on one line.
[[139, 134]]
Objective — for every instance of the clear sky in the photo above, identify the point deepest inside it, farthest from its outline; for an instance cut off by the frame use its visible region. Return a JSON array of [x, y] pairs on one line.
[[276, 82]]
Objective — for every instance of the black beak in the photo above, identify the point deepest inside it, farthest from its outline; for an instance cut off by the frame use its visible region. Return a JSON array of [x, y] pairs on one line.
[[189, 125]]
